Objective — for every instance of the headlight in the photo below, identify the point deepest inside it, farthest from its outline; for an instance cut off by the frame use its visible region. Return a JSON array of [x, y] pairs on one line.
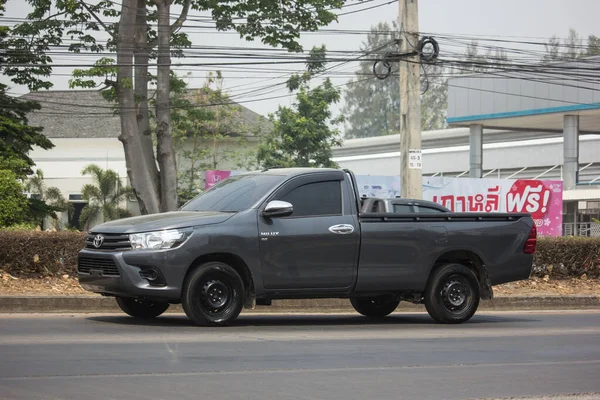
[[167, 239]]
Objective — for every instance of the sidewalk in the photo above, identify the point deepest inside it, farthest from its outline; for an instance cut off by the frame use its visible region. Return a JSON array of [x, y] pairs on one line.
[[98, 304]]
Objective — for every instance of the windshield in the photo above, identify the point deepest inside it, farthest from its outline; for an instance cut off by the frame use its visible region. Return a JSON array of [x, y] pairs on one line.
[[234, 194]]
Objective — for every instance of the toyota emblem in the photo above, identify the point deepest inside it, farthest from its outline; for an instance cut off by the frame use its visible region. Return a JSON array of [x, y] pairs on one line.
[[98, 240]]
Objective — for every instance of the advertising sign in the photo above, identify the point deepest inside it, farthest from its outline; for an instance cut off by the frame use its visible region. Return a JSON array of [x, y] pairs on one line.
[[541, 198], [212, 177]]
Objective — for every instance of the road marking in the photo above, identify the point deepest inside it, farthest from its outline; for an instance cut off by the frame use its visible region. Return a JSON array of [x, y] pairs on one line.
[[302, 370], [307, 336]]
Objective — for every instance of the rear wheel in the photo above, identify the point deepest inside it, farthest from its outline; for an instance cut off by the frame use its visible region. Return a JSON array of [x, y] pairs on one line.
[[376, 307], [213, 294], [141, 309], [452, 294]]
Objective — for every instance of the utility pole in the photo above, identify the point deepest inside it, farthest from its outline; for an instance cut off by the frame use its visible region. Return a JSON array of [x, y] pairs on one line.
[[411, 160]]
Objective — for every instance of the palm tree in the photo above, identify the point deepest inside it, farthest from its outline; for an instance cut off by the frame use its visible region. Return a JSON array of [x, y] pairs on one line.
[[49, 195], [103, 197]]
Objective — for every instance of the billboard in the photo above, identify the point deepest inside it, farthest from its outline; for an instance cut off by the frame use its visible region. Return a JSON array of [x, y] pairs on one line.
[[541, 198]]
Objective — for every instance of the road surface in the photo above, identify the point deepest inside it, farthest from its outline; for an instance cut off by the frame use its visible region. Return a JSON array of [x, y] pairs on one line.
[[274, 357]]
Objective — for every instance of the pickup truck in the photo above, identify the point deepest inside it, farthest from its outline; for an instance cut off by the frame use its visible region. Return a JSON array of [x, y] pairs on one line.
[[297, 234]]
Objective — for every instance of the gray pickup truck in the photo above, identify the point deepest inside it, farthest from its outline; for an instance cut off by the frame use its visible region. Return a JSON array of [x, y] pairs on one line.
[[297, 234]]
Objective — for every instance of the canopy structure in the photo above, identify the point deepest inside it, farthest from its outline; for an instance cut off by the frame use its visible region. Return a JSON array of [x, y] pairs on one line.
[[559, 97]]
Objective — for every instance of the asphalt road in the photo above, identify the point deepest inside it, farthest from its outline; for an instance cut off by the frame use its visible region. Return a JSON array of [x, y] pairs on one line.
[[275, 357]]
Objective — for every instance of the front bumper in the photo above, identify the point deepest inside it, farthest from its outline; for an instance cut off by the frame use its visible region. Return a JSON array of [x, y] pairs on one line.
[[131, 273]]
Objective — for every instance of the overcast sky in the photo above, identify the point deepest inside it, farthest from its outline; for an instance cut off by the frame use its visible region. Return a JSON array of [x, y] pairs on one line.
[[508, 18]]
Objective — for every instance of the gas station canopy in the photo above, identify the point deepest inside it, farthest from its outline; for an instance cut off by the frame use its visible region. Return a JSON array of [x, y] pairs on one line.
[[533, 98]]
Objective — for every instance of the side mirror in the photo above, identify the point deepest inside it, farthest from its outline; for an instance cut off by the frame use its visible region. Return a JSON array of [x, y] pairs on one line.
[[278, 208]]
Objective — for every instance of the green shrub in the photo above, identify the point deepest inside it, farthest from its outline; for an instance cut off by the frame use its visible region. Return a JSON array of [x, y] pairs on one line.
[[565, 257], [13, 204], [27, 252]]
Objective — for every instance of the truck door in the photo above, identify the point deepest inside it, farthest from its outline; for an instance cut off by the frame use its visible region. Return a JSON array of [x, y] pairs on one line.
[[316, 246]]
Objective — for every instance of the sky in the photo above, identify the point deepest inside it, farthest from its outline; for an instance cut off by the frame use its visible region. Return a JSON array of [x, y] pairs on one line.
[[510, 19]]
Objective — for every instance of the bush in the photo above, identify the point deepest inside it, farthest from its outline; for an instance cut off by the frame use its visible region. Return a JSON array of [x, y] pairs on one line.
[[27, 252], [13, 204], [565, 257], [24, 252]]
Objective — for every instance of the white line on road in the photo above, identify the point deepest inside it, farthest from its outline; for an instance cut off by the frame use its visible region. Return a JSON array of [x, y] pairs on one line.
[[305, 370]]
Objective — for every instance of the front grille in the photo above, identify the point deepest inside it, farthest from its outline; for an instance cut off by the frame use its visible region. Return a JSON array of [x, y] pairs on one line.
[[109, 241], [107, 266]]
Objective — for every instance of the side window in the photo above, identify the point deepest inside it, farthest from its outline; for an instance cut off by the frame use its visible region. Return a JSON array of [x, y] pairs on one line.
[[403, 209], [314, 199], [427, 209]]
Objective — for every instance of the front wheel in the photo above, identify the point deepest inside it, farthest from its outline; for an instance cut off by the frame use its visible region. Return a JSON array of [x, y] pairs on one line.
[[213, 294], [374, 307], [452, 294], [141, 309]]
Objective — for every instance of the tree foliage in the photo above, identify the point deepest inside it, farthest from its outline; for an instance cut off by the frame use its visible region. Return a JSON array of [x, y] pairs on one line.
[[103, 197], [13, 203], [208, 131], [51, 196], [477, 61], [17, 138], [571, 48], [372, 106], [303, 135], [144, 33]]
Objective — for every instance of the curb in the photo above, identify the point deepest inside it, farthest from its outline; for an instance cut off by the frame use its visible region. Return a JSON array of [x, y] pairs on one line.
[[96, 304]]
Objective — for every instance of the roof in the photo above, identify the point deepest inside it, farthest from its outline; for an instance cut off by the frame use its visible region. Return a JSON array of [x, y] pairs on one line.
[[581, 194], [87, 114], [527, 100], [434, 139]]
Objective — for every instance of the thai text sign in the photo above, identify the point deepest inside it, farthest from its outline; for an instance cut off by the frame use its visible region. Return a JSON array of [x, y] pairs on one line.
[[541, 198]]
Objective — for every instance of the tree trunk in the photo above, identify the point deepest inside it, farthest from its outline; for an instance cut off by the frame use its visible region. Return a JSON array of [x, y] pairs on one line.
[[165, 153], [141, 91], [137, 168]]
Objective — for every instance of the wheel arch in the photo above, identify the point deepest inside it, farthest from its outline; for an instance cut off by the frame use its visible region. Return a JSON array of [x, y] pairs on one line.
[[471, 260], [235, 262]]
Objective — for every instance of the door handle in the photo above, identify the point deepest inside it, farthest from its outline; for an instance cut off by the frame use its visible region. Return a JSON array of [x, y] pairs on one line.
[[341, 229]]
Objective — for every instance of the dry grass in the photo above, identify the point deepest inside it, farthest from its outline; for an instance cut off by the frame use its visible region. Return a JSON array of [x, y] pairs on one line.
[[69, 286]]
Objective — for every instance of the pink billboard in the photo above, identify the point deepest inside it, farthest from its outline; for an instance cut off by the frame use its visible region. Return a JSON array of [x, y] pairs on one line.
[[541, 198], [212, 177]]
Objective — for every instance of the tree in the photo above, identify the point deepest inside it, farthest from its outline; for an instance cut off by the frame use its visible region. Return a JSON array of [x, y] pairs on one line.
[[205, 122], [17, 138], [476, 62], [13, 203], [104, 196], [372, 106], [302, 135], [593, 46], [137, 42], [571, 48], [50, 196]]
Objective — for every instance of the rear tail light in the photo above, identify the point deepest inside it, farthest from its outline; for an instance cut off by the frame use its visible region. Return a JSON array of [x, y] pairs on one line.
[[531, 242]]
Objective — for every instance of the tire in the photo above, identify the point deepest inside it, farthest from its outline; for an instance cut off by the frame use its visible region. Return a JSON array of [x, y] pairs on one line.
[[452, 294], [213, 295], [141, 309], [375, 307]]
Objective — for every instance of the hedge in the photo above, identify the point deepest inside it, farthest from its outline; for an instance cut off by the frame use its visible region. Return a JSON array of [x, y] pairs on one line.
[[52, 253], [28, 252]]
